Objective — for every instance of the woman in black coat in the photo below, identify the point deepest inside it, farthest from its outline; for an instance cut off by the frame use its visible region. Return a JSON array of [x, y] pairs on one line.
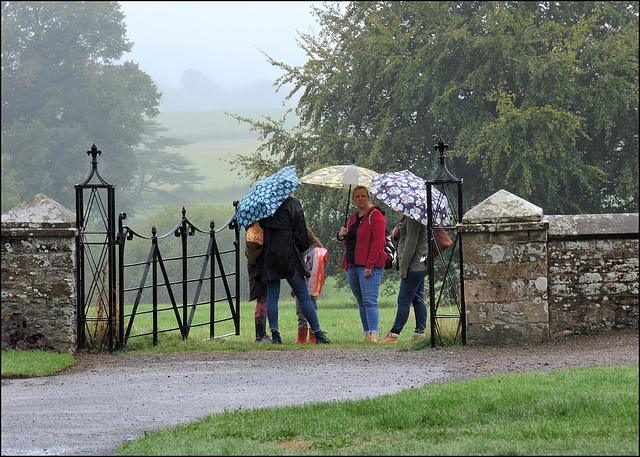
[[284, 239]]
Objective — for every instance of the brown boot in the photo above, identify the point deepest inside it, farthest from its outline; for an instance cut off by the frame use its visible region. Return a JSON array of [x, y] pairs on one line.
[[302, 335], [391, 338], [373, 337]]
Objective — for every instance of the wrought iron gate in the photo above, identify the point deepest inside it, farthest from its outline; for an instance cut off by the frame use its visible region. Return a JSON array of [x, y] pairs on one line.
[[102, 321], [446, 301], [95, 260], [184, 310]]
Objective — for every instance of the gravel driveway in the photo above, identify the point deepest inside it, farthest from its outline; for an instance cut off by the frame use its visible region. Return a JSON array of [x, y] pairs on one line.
[[110, 399]]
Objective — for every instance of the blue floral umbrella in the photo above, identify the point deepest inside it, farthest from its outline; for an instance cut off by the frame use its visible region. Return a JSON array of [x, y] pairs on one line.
[[266, 196], [406, 193]]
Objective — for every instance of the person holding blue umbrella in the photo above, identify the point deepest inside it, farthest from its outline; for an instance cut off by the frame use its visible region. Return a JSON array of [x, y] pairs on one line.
[[284, 239]]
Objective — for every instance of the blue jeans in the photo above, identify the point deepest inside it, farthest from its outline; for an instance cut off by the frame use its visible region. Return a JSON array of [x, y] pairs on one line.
[[302, 321], [411, 292], [299, 287], [366, 292]]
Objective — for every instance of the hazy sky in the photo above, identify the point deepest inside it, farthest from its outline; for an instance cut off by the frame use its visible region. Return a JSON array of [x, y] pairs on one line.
[[221, 39]]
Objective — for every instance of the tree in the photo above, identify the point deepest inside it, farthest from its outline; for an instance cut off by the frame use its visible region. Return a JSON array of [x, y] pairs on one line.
[[64, 90], [538, 98], [10, 189], [159, 172]]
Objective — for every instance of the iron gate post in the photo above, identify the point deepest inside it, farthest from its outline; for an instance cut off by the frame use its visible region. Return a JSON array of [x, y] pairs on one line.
[[236, 244], [84, 250], [447, 181]]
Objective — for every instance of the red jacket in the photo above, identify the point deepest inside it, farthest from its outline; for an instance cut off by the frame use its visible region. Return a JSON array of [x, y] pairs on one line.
[[371, 240]]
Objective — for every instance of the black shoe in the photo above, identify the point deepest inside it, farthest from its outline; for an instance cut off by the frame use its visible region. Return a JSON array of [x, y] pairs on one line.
[[275, 337], [321, 338]]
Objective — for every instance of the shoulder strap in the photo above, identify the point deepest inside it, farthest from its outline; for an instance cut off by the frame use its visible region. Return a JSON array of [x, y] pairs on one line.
[[371, 212]]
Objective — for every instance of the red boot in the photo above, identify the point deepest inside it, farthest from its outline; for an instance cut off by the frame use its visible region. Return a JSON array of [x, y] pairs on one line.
[[312, 337], [302, 335]]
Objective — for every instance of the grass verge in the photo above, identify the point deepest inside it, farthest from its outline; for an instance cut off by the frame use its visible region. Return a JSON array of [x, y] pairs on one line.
[[34, 363], [583, 411]]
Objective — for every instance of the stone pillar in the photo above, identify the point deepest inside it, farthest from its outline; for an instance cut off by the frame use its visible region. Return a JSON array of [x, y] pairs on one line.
[[39, 269], [505, 272]]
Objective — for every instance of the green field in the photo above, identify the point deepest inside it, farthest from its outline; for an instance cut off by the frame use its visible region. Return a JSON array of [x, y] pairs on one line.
[[217, 138], [211, 158]]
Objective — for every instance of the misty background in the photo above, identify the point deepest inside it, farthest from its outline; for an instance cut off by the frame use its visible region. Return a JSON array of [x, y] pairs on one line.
[[211, 55]]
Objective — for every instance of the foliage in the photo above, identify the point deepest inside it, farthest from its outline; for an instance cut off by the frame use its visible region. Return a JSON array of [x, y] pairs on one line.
[[10, 187], [64, 90], [537, 98], [160, 171], [581, 411]]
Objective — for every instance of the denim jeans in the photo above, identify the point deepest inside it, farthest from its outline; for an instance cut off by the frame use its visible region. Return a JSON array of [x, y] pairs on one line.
[[365, 290], [299, 287], [302, 321], [411, 292]]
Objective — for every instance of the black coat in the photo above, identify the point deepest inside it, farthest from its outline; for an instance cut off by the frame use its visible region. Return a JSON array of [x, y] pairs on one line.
[[285, 237]]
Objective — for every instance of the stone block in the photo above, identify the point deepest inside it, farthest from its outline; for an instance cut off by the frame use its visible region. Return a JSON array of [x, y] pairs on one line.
[[505, 290], [506, 334], [529, 270], [507, 313]]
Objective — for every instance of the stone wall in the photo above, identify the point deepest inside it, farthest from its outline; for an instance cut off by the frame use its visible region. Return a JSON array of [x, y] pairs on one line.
[[530, 278], [593, 273], [39, 270]]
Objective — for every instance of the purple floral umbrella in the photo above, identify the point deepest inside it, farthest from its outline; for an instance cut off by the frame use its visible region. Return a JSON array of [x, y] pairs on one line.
[[406, 193]]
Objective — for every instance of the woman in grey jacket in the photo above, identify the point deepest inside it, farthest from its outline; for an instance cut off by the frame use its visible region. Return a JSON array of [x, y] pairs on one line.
[[412, 249], [284, 239]]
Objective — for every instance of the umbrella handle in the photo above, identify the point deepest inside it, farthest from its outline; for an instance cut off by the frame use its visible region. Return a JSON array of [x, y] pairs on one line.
[[346, 210], [346, 215]]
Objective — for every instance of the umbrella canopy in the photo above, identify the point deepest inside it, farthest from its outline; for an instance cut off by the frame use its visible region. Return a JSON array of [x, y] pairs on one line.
[[341, 177], [406, 193], [266, 196]]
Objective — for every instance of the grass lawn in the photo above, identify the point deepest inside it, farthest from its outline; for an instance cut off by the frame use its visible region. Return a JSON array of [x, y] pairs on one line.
[[583, 411]]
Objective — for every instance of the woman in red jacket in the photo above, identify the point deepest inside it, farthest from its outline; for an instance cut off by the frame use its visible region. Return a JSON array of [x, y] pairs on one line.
[[364, 260]]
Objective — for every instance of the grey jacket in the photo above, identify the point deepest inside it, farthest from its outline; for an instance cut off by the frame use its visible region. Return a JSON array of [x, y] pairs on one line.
[[412, 245]]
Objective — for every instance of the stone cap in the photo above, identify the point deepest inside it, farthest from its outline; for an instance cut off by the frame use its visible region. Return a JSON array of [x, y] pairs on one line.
[[39, 212], [503, 207], [616, 224]]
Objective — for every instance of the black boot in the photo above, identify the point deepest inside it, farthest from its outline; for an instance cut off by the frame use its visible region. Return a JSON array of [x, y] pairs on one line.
[[321, 338], [261, 333], [275, 337]]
